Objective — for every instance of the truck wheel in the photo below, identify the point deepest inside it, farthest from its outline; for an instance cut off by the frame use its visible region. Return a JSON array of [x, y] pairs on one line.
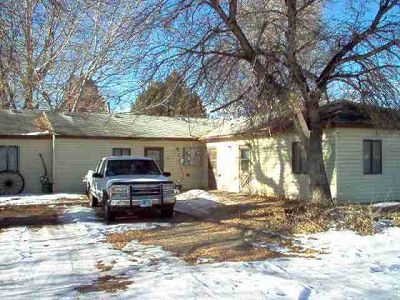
[[93, 201], [167, 212], [87, 190], [109, 216]]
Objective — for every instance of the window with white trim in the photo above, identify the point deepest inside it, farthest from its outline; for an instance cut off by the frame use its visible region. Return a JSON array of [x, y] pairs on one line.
[[372, 157], [299, 159], [9, 158], [121, 151]]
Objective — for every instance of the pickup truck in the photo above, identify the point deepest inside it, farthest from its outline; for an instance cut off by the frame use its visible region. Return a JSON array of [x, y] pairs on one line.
[[122, 183]]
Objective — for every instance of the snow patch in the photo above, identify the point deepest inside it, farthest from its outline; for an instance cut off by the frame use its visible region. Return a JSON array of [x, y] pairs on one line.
[[196, 195], [386, 204], [46, 132], [54, 261], [37, 199], [196, 202]]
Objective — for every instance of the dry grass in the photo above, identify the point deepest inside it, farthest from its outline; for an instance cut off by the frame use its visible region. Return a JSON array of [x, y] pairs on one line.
[[30, 215], [195, 241], [104, 267], [108, 283], [245, 228], [390, 213], [291, 216]]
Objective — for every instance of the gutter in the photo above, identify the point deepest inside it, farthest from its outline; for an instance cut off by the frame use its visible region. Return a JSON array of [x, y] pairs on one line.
[[53, 150], [53, 159]]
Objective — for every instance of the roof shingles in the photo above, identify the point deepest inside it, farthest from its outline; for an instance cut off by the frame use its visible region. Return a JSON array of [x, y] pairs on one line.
[[105, 125]]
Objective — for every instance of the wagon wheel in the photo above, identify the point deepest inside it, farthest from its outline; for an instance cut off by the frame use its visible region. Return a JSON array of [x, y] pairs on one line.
[[11, 183]]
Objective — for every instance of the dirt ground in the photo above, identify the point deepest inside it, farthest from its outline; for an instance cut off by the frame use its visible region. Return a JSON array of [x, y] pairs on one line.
[[94, 258], [241, 227]]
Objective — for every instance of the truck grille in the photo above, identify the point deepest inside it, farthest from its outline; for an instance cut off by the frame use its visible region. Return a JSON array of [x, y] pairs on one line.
[[142, 190]]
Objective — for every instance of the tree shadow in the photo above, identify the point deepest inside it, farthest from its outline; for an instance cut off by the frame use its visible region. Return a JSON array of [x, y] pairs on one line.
[[272, 170]]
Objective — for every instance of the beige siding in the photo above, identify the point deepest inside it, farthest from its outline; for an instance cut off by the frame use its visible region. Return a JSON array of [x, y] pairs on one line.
[[271, 166], [353, 185], [74, 157], [30, 164]]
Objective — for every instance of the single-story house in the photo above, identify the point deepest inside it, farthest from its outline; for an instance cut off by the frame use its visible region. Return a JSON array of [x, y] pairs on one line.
[[72, 144], [362, 161]]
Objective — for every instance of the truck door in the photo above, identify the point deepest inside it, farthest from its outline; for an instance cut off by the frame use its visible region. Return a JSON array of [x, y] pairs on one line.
[[98, 182]]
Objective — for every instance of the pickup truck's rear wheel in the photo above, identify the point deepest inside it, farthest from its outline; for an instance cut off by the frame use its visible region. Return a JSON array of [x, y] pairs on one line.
[[109, 216], [94, 202], [167, 212]]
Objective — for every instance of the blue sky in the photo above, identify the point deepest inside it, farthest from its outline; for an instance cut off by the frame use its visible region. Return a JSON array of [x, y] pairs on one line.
[[334, 11]]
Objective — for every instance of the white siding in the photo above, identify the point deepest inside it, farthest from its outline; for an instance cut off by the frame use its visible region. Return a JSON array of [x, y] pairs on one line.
[[30, 164], [74, 157], [271, 166], [353, 185]]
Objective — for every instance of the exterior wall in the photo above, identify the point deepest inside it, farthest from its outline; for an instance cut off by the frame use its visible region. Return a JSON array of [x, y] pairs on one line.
[[353, 185], [30, 164], [271, 169], [74, 157]]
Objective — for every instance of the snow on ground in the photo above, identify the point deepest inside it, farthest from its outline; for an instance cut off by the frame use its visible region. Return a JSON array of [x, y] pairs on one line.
[[196, 202], [37, 199], [196, 195], [55, 260], [386, 204]]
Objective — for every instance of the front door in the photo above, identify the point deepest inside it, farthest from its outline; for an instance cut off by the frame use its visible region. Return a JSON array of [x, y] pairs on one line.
[[212, 168], [244, 169]]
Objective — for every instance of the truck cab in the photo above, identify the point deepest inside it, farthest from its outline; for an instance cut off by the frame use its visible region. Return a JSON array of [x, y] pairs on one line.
[[129, 183]]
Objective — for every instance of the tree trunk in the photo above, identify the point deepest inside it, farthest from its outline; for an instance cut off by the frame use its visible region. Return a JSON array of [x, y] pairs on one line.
[[319, 184], [30, 69]]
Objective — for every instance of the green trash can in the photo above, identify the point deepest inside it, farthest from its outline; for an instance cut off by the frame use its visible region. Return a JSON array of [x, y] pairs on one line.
[[47, 187]]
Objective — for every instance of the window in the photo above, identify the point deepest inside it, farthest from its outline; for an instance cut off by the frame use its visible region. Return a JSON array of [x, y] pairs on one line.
[[244, 160], [212, 157], [102, 167], [299, 159], [157, 154], [9, 158], [191, 156], [121, 151], [372, 156]]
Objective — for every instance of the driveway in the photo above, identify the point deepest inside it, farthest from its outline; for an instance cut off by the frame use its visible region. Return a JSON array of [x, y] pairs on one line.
[[72, 257]]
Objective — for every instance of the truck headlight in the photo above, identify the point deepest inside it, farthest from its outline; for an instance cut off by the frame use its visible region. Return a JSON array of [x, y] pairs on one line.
[[169, 191], [121, 191]]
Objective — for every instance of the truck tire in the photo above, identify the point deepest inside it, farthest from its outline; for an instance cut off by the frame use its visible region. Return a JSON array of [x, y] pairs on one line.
[[108, 215], [87, 190], [167, 212], [93, 201]]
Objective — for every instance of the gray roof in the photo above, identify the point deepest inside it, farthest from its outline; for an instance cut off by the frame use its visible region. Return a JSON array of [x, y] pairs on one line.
[[228, 128], [18, 122], [33, 122], [104, 125]]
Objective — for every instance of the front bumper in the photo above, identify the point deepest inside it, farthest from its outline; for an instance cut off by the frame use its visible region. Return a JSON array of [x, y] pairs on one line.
[[154, 202]]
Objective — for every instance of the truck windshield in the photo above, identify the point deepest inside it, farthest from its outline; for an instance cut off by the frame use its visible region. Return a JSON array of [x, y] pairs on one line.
[[132, 167]]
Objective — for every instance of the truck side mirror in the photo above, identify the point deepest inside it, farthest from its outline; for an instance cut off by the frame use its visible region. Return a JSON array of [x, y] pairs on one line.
[[97, 175], [167, 174]]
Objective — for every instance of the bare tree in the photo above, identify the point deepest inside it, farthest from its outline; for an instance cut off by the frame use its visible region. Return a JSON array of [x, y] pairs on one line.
[[82, 98], [284, 58], [45, 42]]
